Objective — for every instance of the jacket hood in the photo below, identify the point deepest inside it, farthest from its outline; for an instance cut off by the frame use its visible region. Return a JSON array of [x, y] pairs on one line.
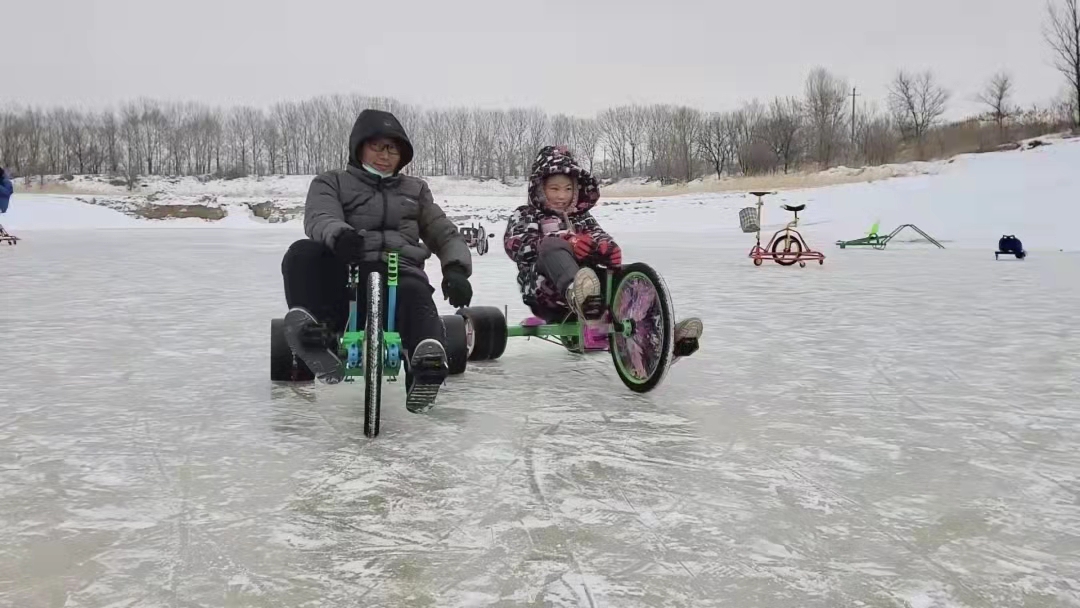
[[552, 160], [376, 123]]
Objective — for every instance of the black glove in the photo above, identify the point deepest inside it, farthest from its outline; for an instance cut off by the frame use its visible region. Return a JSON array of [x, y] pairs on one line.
[[456, 287], [349, 246]]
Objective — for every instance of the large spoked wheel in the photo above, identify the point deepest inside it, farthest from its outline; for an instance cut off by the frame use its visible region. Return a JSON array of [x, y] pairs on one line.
[[644, 338], [373, 356], [459, 343], [482, 245], [487, 326], [790, 252], [284, 366]]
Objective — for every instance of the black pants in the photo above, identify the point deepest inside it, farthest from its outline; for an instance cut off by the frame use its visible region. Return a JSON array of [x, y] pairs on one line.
[[316, 280]]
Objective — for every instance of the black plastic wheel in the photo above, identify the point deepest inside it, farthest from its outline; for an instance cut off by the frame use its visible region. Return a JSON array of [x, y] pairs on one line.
[[284, 366], [795, 246], [641, 299], [373, 356], [489, 332], [457, 343]]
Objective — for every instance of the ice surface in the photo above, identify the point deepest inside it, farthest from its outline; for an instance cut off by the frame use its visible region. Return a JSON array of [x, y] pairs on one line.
[[892, 429]]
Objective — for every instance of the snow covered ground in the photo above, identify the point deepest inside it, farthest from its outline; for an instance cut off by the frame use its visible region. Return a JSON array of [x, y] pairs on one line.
[[892, 429], [968, 202]]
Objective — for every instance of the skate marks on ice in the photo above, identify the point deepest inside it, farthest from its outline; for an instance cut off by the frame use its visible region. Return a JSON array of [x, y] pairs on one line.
[[525, 506]]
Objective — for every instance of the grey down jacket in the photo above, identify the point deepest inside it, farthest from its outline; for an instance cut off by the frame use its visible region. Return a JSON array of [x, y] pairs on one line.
[[396, 212]]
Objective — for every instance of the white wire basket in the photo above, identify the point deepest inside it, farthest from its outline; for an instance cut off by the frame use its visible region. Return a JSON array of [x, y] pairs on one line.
[[748, 219]]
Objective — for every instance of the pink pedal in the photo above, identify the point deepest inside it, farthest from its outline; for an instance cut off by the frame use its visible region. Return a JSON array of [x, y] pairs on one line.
[[533, 322], [595, 338]]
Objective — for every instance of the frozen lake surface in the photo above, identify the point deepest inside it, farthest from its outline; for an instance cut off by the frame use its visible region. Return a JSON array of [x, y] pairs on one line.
[[893, 429]]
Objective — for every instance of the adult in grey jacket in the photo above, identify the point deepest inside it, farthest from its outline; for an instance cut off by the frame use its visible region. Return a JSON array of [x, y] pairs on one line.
[[356, 215]]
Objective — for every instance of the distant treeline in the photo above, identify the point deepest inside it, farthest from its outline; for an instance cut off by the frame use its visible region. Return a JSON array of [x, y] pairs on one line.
[[816, 130]]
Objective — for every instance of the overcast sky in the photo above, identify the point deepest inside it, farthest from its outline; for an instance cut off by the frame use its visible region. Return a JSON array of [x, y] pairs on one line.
[[571, 56]]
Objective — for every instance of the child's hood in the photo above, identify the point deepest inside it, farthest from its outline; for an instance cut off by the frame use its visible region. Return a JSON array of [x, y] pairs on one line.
[[553, 160]]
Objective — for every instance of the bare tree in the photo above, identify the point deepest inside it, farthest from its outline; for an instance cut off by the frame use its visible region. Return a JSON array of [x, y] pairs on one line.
[[1063, 34], [618, 129], [561, 130], [11, 140], [272, 143], [34, 122], [586, 138], [917, 102], [1066, 107], [997, 97], [745, 130], [825, 105], [110, 136], [460, 128], [714, 143], [537, 134], [485, 124], [439, 133], [517, 128], [636, 119], [687, 129], [130, 129], [782, 130], [875, 137]]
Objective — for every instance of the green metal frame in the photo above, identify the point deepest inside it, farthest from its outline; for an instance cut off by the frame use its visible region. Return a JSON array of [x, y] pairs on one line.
[[353, 337], [879, 242], [572, 329]]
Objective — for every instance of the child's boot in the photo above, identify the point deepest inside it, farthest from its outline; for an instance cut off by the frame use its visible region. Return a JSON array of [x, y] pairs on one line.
[[584, 295], [687, 333]]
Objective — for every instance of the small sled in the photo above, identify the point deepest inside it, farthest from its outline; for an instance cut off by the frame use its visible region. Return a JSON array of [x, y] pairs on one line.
[[5, 237], [878, 242], [476, 237], [1008, 244]]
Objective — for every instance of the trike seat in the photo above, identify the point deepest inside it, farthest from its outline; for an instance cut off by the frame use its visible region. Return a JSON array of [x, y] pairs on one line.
[[761, 193], [794, 208]]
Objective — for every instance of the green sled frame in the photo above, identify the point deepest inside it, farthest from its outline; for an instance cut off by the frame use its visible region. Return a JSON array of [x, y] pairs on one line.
[[370, 351], [637, 322], [878, 242]]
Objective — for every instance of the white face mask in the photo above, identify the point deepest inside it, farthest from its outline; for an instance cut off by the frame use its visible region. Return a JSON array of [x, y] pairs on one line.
[[375, 171]]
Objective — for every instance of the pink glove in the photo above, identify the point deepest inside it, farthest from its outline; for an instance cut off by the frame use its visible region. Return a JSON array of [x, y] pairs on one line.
[[609, 252], [581, 244]]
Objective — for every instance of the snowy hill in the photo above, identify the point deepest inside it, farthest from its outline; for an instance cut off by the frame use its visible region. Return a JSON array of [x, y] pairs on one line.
[[968, 201]]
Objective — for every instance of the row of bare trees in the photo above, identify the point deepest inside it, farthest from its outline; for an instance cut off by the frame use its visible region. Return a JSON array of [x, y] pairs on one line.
[[818, 129], [670, 143]]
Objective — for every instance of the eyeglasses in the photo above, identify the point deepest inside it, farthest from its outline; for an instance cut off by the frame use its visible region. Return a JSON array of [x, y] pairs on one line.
[[390, 149]]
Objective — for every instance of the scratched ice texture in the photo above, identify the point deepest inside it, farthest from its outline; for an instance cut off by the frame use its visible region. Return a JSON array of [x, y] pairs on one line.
[[892, 429]]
